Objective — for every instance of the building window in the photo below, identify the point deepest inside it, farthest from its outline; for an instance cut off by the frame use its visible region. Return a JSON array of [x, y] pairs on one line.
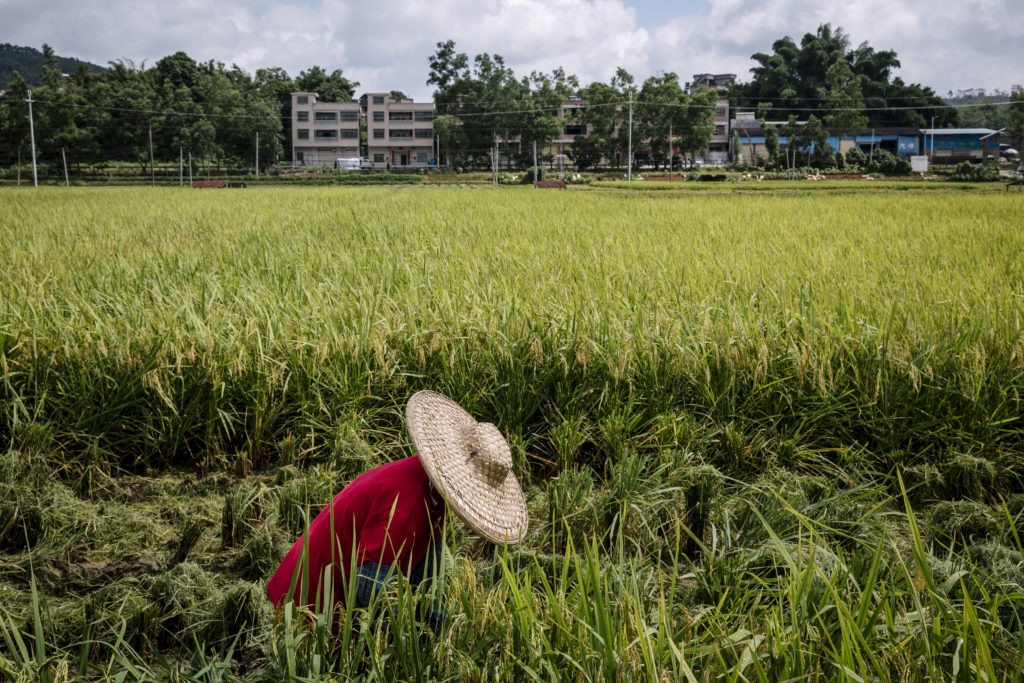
[[349, 116], [378, 99], [378, 133], [719, 130], [424, 116], [575, 130], [378, 116], [424, 134], [378, 158], [325, 116], [401, 116], [348, 133], [325, 135], [721, 112], [303, 133], [302, 116], [302, 99], [401, 134], [421, 157]]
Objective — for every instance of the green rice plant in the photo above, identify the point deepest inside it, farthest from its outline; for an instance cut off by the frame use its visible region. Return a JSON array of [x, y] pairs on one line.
[[27, 659], [209, 335], [653, 373], [955, 522], [571, 509], [244, 508], [301, 497], [970, 477], [568, 436]]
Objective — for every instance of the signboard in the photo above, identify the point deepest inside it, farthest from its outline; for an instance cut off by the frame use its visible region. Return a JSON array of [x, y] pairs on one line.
[[919, 164]]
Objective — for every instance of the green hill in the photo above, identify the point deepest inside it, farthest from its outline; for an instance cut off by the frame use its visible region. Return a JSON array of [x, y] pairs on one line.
[[28, 61]]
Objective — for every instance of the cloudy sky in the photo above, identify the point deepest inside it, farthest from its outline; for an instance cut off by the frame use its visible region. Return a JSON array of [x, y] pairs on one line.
[[384, 44]]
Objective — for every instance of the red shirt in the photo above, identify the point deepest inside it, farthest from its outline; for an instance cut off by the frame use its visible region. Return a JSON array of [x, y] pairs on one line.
[[387, 515]]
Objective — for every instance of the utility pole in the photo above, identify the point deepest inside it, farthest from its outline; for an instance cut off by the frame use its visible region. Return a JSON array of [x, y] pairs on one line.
[[931, 153], [181, 166], [670, 155], [629, 156], [64, 158], [32, 134], [535, 169], [152, 169]]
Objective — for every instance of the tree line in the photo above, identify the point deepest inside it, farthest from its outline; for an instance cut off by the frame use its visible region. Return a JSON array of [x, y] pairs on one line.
[[137, 114], [214, 113]]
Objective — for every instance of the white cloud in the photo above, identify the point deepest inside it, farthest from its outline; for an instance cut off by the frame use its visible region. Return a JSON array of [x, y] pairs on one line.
[[385, 44]]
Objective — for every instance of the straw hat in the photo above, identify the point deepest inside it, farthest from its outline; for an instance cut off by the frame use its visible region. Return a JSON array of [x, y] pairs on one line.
[[470, 463]]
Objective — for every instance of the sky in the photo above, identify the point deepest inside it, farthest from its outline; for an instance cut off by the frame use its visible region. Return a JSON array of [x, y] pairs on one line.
[[947, 45]]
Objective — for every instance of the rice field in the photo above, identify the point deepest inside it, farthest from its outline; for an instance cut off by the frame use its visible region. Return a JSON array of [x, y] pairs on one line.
[[764, 435]]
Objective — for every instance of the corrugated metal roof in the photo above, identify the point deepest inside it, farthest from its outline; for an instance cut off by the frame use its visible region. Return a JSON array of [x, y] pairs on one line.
[[958, 131]]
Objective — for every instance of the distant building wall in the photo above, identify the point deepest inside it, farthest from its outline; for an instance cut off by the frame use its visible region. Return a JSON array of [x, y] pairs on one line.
[[399, 132], [323, 132]]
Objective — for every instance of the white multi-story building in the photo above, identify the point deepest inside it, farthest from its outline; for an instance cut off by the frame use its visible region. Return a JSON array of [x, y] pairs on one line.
[[399, 132], [323, 133], [719, 145], [571, 128]]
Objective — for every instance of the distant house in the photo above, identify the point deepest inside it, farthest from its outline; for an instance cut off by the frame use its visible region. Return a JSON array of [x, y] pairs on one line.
[[323, 133], [571, 127], [400, 132], [397, 133], [942, 145], [953, 145], [718, 145]]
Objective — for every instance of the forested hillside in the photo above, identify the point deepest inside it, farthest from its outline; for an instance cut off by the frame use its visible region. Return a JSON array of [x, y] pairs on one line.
[[29, 61]]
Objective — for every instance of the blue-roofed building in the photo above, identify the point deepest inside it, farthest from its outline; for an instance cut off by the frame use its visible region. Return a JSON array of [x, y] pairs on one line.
[[942, 145], [953, 145]]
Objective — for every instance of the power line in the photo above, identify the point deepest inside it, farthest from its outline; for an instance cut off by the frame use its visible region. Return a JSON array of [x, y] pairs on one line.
[[582, 105]]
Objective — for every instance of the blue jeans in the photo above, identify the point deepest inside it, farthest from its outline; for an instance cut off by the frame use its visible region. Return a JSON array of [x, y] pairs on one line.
[[372, 577]]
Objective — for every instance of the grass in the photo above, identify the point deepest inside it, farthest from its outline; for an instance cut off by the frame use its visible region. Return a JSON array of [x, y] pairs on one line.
[[764, 435]]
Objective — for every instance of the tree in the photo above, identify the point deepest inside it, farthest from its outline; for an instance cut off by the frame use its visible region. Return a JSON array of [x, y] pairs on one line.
[[662, 109], [58, 114], [126, 95], [844, 99], [1015, 119], [771, 145], [542, 120], [332, 87], [584, 152], [804, 79], [14, 126], [461, 95], [275, 85], [448, 68], [493, 107], [602, 113], [450, 137], [812, 140], [698, 124], [177, 71]]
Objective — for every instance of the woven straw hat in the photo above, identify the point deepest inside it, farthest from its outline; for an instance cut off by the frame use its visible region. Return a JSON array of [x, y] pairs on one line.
[[470, 463]]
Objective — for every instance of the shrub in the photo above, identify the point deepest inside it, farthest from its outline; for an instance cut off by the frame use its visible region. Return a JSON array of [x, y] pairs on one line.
[[533, 174], [855, 156], [888, 164], [967, 172]]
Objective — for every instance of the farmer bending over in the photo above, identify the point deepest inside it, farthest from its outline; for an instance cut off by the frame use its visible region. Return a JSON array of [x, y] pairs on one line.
[[390, 518]]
